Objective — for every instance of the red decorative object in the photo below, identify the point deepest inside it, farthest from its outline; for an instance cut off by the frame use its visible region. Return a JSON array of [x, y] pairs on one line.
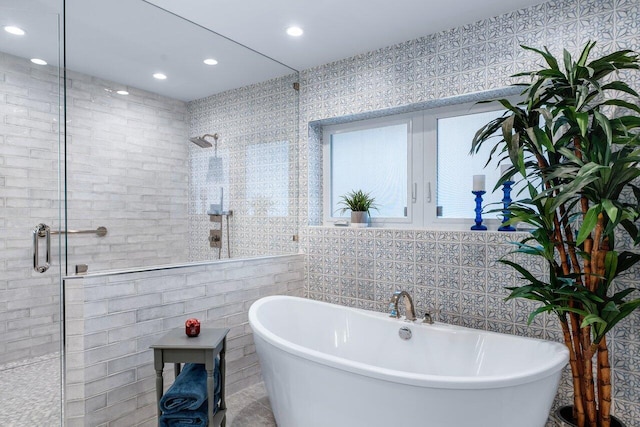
[[192, 327]]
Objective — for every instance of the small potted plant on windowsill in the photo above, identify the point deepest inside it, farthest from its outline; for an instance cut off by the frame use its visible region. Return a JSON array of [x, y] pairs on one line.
[[360, 205]]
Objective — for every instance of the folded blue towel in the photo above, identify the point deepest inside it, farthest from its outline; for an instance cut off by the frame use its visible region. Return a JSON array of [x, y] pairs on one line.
[[189, 390], [187, 418]]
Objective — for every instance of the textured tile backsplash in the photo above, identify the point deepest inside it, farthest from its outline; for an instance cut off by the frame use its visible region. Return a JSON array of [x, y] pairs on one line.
[[456, 277], [255, 168]]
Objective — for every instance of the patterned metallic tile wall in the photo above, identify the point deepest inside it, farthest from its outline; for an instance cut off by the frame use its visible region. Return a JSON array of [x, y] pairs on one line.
[[256, 169], [454, 273]]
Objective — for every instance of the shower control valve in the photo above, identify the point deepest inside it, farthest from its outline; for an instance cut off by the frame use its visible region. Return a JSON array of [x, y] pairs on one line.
[[215, 238]]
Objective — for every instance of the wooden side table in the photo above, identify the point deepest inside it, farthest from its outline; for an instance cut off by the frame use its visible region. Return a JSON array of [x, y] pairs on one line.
[[176, 347]]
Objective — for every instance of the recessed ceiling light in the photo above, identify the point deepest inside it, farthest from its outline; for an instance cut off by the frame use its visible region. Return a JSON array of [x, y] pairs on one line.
[[294, 31], [122, 92], [210, 61], [38, 61], [14, 30], [159, 76]]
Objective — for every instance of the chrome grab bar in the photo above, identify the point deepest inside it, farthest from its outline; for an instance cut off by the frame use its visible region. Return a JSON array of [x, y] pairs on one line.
[[44, 231], [100, 232]]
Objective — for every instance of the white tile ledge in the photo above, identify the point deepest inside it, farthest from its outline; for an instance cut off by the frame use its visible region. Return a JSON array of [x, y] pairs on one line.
[[225, 261], [519, 232]]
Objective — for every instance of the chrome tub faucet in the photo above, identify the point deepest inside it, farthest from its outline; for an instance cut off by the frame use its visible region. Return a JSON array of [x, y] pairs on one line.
[[428, 318], [410, 312]]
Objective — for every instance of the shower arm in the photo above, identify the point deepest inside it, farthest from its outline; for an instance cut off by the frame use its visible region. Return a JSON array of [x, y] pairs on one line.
[[215, 142]]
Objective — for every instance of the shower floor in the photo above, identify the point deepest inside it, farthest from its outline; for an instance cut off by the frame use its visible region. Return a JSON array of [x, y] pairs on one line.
[[30, 392]]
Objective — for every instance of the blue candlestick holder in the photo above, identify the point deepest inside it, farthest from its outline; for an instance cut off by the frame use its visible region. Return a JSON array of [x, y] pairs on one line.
[[478, 210], [506, 201]]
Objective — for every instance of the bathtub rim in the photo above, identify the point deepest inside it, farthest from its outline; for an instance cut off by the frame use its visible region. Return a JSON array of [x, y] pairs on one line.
[[555, 363]]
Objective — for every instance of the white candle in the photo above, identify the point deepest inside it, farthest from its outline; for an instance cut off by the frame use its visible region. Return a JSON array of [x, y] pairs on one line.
[[478, 182], [504, 169]]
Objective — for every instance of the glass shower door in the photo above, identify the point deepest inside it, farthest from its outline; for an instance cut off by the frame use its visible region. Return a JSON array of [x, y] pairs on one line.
[[30, 272]]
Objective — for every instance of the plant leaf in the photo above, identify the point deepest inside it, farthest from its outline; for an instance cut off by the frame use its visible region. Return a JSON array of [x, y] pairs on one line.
[[591, 319], [583, 122], [589, 223], [605, 124], [612, 211]]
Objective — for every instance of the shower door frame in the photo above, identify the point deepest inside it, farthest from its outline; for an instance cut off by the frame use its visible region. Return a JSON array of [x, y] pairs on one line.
[[41, 192]]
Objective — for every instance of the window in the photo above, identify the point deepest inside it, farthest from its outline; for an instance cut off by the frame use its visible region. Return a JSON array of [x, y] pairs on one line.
[[455, 167], [373, 157], [417, 166]]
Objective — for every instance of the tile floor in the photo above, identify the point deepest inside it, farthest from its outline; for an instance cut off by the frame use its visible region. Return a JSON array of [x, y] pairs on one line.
[[30, 396], [250, 408], [30, 392]]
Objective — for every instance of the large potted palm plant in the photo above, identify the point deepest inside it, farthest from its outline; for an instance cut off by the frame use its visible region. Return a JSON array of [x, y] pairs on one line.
[[573, 140]]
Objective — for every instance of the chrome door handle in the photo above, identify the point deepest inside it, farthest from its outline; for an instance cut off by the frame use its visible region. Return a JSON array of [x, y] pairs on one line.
[[44, 230]]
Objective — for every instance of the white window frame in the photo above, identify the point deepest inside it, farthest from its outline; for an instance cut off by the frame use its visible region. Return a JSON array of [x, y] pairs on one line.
[[422, 152], [327, 131], [431, 117]]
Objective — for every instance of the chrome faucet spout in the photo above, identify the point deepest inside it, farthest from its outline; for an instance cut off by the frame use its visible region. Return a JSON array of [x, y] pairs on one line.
[[428, 318], [410, 312]]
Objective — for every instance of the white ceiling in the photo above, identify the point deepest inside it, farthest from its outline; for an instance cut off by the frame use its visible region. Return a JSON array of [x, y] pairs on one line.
[[126, 41], [333, 29]]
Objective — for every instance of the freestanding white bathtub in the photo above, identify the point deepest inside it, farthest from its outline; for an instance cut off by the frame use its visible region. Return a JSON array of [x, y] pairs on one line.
[[330, 366]]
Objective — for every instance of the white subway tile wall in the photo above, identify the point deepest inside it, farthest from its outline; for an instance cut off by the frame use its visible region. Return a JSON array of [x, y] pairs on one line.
[[127, 170], [29, 301], [113, 319], [453, 273]]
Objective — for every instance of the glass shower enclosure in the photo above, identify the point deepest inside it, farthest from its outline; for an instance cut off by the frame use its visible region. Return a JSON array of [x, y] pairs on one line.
[[31, 138], [98, 174]]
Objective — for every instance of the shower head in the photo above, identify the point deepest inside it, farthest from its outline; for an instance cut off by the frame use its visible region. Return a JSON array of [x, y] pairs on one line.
[[202, 142]]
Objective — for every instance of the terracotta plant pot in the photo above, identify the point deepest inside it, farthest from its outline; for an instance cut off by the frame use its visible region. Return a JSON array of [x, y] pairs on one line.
[[359, 219], [564, 418]]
